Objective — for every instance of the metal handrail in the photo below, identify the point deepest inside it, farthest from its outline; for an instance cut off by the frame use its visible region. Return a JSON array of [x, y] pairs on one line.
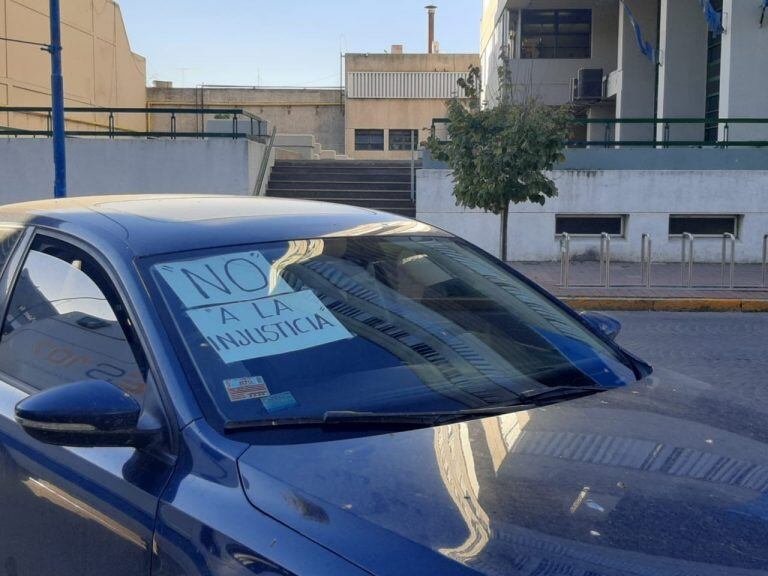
[[265, 163], [665, 141], [686, 238], [728, 238], [110, 130]]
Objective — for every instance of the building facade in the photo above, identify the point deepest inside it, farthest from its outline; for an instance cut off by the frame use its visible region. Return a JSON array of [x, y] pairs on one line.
[[637, 71], [316, 112], [644, 59], [99, 67], [392, 99]]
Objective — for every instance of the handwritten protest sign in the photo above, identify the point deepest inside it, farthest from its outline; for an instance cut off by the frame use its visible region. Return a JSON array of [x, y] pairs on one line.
[[268, 326], [222, 279], [244, 311]]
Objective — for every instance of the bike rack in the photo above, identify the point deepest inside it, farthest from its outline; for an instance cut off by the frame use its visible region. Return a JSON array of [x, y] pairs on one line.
[[765, 258], [687, 240], [687, 262], [728, 238], [565, 258], [605, 260], [646, 260]]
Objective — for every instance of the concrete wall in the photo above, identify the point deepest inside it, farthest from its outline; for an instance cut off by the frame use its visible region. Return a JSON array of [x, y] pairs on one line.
[[683, 68], [636, 73], [397, 113], [646, 197], [292, 110], [129, 166], [99, 67], [744, 72]]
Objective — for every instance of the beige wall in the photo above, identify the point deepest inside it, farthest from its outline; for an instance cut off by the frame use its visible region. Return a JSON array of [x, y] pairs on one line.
[[292, 110], [397, 113], [99, 67]]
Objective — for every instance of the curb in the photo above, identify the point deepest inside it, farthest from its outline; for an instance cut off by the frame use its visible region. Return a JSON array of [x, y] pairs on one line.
[[668, 304]]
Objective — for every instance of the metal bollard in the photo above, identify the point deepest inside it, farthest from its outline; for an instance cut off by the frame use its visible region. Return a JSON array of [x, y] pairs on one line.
[[645, 260], [605, 260], [565, 258], [686, 239], [728, 238]]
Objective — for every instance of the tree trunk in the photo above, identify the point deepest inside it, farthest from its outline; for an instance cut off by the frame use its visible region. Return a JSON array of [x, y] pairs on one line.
[[503, 234]]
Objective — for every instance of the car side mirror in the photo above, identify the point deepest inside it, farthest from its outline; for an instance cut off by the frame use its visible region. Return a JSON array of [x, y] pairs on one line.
[[608, 326], [90, 413]]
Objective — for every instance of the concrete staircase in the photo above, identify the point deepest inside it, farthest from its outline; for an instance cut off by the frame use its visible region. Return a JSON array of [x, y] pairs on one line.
[[377, 184]]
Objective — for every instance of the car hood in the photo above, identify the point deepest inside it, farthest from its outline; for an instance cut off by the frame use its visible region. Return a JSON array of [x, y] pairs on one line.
[[664, 477]]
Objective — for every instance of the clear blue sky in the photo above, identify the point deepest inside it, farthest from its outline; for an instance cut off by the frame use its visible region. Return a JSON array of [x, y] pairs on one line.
[[284, 42]]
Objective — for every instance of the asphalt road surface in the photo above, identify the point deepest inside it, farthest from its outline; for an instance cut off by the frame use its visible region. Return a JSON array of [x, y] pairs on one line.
[[728, 351]]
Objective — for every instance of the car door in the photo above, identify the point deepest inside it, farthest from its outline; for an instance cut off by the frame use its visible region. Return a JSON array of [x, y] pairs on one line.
[[72, 511]]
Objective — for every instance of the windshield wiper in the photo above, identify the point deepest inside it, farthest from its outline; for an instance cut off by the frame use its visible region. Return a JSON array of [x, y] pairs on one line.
[[405, 420]]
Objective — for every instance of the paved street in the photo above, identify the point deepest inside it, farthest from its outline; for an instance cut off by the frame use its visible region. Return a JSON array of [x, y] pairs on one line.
[[727, 351]]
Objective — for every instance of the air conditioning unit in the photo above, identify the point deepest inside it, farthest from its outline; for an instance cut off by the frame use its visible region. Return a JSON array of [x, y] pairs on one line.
[[588, 85]]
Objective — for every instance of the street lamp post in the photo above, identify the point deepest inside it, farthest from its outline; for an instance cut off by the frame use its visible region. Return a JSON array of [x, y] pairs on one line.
[[57, 104]]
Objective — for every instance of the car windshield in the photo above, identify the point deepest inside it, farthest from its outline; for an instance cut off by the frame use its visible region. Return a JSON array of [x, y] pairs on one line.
[[377, 324]]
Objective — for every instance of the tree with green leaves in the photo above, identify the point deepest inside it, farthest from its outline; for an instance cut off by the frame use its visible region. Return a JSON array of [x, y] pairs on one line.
[[499, 155]]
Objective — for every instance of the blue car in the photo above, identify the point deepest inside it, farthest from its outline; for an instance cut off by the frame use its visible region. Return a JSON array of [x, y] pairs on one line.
[[195, 385]]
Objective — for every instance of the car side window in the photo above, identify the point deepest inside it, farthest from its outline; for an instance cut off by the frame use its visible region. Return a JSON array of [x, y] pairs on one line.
[[65, 324], [9, 237]]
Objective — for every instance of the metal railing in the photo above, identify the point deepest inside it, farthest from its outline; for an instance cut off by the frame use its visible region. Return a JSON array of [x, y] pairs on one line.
[[687, 264], [608, 139], [259, 189], [108, 127]]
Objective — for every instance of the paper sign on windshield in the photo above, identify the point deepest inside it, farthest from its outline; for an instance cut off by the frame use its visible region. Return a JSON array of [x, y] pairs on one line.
[[222, 279], [268, 326]]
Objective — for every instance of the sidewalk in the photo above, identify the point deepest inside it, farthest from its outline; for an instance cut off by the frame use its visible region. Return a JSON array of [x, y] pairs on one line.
[[666, 293]]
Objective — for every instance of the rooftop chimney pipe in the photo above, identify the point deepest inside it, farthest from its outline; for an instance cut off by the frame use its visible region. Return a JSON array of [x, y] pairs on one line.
[[431, 11]]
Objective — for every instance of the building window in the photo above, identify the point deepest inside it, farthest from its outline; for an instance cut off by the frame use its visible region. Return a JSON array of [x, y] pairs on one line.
[[589, 224], [556, 34], [402, 139], [369, 140], [703, 225]]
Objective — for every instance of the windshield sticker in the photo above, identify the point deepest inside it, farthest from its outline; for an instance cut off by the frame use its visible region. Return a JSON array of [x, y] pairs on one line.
[[279, 402], [268, 326], [246, 388], [222, 279]]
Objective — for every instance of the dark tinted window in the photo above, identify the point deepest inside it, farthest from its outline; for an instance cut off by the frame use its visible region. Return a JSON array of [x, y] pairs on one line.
[[703, 225], [369, 139], [589, 225], [64, 324], [556, 34], [403, 139], [370, 323]]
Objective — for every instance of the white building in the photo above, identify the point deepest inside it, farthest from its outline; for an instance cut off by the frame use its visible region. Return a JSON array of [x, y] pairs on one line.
[[693, 72], [648, 176]]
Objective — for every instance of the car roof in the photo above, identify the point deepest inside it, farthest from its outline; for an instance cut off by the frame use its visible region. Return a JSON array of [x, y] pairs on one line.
[[157, 224]]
